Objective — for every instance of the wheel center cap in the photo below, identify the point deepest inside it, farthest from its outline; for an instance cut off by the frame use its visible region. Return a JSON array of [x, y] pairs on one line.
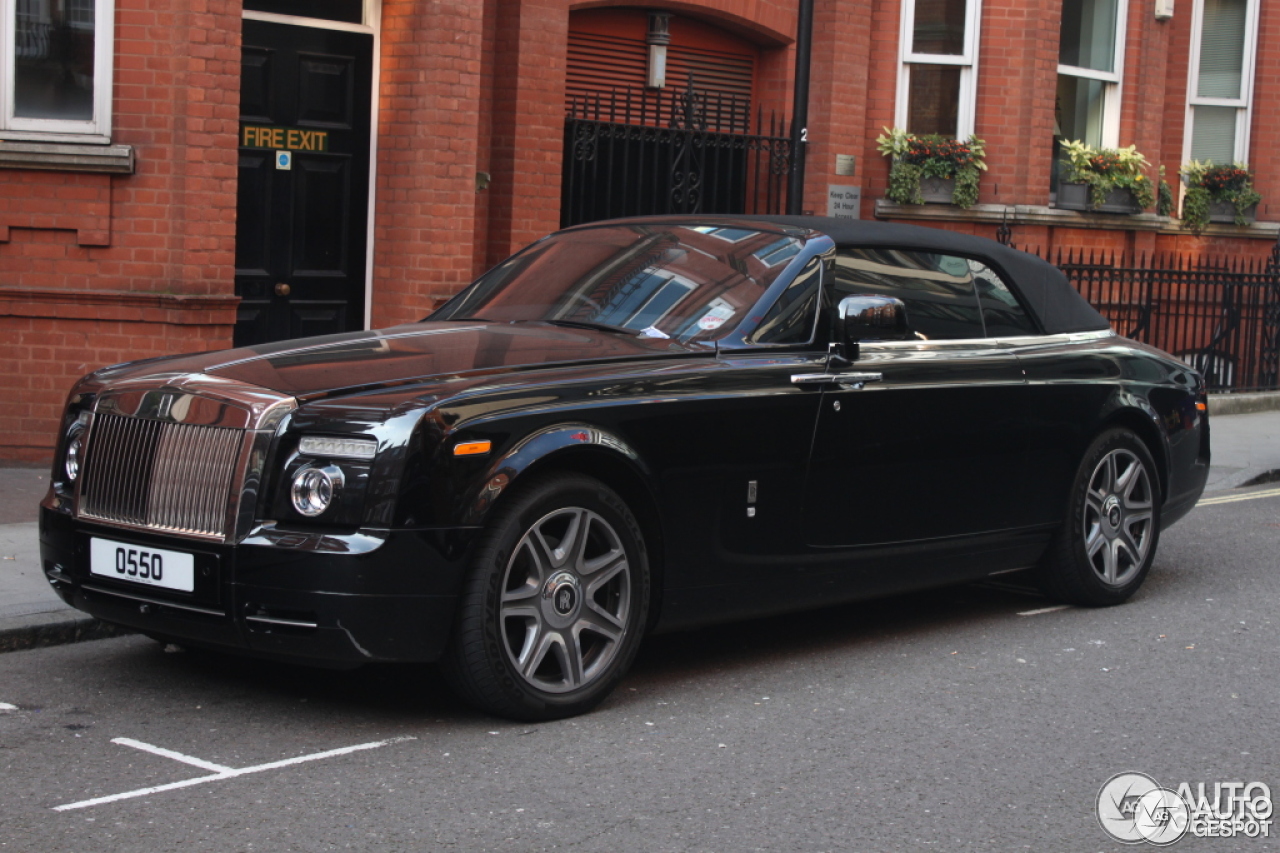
[[1111, 509], [561, 594]]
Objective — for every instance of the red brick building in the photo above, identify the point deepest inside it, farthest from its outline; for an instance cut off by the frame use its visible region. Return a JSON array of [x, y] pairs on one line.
[[178, 175]]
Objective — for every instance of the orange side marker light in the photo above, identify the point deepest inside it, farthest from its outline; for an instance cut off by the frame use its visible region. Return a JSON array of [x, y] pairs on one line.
[[472, 448]]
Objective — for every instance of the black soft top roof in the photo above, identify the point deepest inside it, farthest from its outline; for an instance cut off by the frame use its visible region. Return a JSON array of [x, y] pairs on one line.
[[1044, 288]]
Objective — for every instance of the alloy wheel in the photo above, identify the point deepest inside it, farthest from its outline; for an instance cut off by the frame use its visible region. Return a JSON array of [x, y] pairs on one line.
[[1118, 517], [565, 600]]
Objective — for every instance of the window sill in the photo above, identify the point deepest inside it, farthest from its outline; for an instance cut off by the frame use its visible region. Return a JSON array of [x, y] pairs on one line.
[[1030, 214], [66, 157]]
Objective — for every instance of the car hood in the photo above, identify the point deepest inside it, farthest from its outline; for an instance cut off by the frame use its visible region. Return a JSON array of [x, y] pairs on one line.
[[313, 367]]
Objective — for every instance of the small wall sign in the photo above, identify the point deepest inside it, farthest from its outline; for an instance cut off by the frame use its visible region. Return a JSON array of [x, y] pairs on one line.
[[844, 202], [283, 138]]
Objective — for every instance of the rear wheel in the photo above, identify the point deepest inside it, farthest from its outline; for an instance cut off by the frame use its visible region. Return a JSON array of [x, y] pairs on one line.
[[555, 604], [1108, 541]]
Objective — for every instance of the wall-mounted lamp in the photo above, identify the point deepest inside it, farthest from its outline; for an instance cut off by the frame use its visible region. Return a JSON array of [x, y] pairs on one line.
[[658, 37], [1164, 10]]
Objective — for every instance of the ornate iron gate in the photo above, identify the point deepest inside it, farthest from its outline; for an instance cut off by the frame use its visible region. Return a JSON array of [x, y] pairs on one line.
[[662, 151]]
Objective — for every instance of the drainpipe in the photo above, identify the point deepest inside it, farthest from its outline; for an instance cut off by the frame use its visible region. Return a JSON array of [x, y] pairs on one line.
[[800, 118]]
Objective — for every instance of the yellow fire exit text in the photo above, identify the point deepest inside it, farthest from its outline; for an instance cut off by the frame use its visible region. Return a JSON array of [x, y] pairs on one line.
[[284, 138]]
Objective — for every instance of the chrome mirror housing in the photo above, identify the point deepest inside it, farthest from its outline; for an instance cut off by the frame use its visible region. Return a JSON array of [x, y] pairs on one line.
[[866, 317]]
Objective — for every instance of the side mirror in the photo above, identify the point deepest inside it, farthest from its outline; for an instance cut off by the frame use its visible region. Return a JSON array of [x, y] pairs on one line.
[[866, 317]]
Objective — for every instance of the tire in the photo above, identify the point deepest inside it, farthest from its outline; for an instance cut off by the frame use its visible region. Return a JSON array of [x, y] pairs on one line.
[[555, 602], [1108, 540]]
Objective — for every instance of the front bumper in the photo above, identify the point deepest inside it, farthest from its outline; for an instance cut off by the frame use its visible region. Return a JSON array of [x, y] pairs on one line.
[[333, 601]]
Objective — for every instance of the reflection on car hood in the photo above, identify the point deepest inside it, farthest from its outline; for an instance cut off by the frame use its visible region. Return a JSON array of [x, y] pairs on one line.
[[314, 366]]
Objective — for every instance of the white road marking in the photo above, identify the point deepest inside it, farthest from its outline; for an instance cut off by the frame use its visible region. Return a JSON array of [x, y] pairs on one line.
[[223, 773], [5, 706], [1053, 609], [169, 753], [1230, 499]]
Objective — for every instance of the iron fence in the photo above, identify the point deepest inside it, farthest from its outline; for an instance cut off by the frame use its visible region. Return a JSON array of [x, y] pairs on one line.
[[664, 151], [1220, 315]]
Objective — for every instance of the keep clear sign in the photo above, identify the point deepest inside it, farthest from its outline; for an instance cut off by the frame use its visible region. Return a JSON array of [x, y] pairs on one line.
[[283, 138], [844, 202]]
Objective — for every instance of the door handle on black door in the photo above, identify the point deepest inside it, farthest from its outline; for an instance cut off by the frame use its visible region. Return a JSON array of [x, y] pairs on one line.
[[852, 379]]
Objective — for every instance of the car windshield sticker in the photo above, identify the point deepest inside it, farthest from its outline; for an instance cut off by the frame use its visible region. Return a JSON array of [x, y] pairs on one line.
[[717, 313]]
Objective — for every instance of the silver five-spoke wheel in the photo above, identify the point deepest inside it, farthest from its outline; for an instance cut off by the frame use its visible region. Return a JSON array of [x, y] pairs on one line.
[[555, 601], [1107, 541], [565, 600], [1118, 514]]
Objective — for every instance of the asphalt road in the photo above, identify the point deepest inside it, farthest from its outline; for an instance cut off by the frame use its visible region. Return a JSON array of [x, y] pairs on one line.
[[939, 721]]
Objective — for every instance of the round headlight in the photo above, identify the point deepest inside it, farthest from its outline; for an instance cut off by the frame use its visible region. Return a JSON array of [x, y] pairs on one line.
[[314, 489], [75, 450]]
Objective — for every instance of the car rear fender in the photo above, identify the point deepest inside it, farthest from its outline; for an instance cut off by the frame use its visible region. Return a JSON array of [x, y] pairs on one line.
[[1136, 414]]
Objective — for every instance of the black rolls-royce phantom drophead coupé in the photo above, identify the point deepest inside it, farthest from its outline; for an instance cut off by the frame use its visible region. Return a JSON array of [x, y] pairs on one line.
[[629, 426]]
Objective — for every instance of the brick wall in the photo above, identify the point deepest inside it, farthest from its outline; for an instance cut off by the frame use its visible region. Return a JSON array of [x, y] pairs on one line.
[[98, 269], [428, 124], [1265, 132], [837, 115]]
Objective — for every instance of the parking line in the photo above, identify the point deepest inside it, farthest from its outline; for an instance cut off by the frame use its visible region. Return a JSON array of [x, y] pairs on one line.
[[1053, 609], [223, 773], [169, 753], [1230, 499]]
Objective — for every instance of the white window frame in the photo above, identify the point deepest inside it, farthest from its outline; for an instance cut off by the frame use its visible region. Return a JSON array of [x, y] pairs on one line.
[[966, 112], [1113, 88], [1244, 104], [97, 129]]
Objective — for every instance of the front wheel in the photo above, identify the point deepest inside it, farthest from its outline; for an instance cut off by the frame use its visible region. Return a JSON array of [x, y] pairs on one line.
[[1106, 545], [553, 610]]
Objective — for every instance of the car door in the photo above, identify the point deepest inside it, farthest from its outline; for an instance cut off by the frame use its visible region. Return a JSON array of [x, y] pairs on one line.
[[929, 451]]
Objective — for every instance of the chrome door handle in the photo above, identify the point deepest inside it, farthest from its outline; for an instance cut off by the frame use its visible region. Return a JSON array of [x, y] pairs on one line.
[[857, 379]]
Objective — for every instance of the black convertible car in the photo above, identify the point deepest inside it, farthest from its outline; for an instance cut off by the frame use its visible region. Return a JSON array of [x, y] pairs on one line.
[[629, 426]]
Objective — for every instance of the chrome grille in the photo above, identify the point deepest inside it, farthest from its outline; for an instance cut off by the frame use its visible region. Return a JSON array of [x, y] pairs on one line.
[[160, 475]]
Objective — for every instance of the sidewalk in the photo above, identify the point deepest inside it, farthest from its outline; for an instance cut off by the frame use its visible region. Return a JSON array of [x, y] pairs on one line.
[[1245, 446]]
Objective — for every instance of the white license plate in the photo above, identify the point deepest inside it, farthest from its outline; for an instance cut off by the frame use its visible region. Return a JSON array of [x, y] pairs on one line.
[[151, 566]]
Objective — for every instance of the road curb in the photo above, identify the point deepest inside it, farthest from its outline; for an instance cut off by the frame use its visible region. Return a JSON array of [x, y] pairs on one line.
[[37, 630], [1243, 404]]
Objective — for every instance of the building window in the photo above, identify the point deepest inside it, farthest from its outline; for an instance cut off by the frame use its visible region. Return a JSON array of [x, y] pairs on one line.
[[936, 83], [55, 69], [1090, 68], [1223, 44]]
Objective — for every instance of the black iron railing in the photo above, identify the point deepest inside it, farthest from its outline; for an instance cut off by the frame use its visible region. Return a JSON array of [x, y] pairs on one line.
[[639, 152], [1221, 315]]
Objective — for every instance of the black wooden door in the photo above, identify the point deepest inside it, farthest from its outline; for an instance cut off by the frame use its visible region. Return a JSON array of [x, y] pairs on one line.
[[301, 232]]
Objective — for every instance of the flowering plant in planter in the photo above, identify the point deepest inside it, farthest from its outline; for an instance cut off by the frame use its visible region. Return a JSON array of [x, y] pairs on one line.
[[916, 158], [1106, 170], [1230, 187]]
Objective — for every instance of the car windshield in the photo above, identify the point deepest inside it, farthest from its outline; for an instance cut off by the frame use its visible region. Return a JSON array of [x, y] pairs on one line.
[[690, 283]]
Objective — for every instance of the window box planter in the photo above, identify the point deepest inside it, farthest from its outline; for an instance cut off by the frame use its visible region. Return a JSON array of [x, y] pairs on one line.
[[937, 190], [1076, 197], [1225, 211]]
